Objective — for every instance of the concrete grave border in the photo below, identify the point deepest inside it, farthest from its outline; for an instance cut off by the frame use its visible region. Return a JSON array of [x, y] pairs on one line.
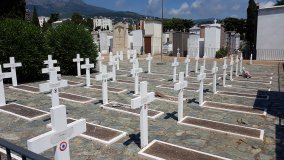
[[160, 86], [80, 83], [243, 88], [267, 97], [92, 99], [12, 87], [123, 90]]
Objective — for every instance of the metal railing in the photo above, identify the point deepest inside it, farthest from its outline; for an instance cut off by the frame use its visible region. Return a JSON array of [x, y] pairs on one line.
[[24, 153], [270, 54]]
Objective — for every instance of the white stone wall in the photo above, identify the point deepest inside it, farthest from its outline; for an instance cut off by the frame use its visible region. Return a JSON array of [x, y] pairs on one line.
[[103, 23], [138, 41], [193, 45], [212, 40]]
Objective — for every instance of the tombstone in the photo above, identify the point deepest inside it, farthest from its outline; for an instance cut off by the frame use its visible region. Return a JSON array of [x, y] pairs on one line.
[[231, 68], [241, 63], [250, 61], [225, 66], [179, 87], [104, 76], [201, 78], [120, 37], [135, 72], [58, 137], [196, 63], [13, 65], [142, 102], [2, 92], [178, 54], [175, 64], [186, 61], [113, 63], [237, 65], [204, 61], [88, 67], [79, 60], [100, 58], [118, 57], [214, 72], [53, 85], [149, 59]]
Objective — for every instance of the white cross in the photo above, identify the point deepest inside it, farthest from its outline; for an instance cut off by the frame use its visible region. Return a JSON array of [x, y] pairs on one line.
[[58, 138], [175, 64], [250, 61], [201, 78], [110, 57], [50, 65], [142, 102], [225, 66], [13, 66], [237, 65], [186, 61], [241, 62], [53, 85], [231, 68], [88, 67], [128, 54], [118, 57], [179, 87], [178, 54], [214, 72], [196, 63], [2, 92], [100, 59], [204, 61], [135, 72], [149, 59], [113, 63], [134, 62], [104, 76], [78, 60]]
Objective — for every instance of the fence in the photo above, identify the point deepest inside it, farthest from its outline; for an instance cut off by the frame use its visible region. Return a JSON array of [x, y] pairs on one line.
[[270, 54]]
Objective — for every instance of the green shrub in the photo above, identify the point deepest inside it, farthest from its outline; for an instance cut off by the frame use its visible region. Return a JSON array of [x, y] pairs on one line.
[[27, 44], [222, 52], [66, 41]]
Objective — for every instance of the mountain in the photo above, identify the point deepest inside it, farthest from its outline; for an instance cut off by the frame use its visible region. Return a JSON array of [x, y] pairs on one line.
[[67, 7]]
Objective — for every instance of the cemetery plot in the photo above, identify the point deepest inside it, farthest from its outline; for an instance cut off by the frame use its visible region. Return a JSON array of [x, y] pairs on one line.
[[100, 133], [167, 98], [124, 81], [72, 83], [262, 74], [234, 108], [223, 127], [247, 95], [110, 89], [172, 87], [3, 155], [153, 114], [22, 111], [165, 151], [151, 78], [247, 87], [75, 98], [260, 83], [26, 88], [253, 81]]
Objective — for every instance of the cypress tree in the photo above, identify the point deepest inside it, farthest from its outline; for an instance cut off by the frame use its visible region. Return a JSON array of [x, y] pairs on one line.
[[251, 27], [13, 9], [35, 20]]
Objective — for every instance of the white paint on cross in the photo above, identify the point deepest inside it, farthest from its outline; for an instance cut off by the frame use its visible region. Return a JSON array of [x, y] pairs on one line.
[[175, 64], [100, 59], [135, 63], [214, 72], [204, 61], [110, 57], [149, 59], [135, 72], [104, 76], [118, 57], [201, 78], [13, 65], [231, 68], [241, 63], [186, 61], [225, 66], [2, 92], [250, 61], [196, 63], [142, 102], [237, 65], [78, 60], [50, 65], [88, 67], [113, 63], [178, 54], [179, 87], [58, 138]]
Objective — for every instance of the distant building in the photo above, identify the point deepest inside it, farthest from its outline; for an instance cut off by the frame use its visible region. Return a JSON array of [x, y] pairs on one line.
[[103, 23], [270, 33], [42, 19], [153, 37], [56, 24]]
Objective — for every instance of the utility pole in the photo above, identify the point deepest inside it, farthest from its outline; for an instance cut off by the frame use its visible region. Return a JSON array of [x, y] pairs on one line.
[[162, 31]]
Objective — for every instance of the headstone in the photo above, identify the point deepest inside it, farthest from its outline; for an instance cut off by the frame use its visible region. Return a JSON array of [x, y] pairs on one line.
[[113, 63], [58, 137], [88, 67], [214, 72], [142, 102], [204, 61], [175, 64], [231, 68], [135, 71], [149, 59], [100, 58], [201, 78], [250, 61], [120, 37], [237, 65], [78, 60], [196, 63], [2, 92], [186, 61], [241, 63], [13, 66], [179, 87], [104, 76], [225, 66]]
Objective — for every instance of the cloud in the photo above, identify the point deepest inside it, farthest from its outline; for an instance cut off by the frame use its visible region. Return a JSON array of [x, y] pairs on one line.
[[119, 3], [196, 4], [154, 7], [236, 7], [266, 4], [181, 11]]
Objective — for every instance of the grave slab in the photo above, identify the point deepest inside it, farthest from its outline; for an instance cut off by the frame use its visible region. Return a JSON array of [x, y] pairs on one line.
[[166, 98], [26, 88], [22, 111], [226, 128], [75, 98], [247, 95], [124, 81], [73, 84], [251, 81], [110, 89], [172, 87], [247, 87]]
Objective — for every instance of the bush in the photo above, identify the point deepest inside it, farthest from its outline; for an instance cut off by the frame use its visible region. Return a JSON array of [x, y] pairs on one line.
[[27, 44], [222, 52], [66, 41]]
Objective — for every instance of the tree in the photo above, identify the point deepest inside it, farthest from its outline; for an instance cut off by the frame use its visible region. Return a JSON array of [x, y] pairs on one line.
[[90, 24], [279, 2], [235, 24], [251, 27], [77, 18], [13, 9], [53, 18], [177, 24], [35, 20]]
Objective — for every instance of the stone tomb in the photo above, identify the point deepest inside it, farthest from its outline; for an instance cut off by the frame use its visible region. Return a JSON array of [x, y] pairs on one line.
[[13, 66], [120, 37]]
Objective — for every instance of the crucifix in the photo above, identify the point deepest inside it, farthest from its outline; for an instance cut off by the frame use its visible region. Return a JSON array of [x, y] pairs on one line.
[[237, 65], [58, 138], [142, 102], [225, 66], [231, 68], [201, 78], [88, 67], [250, 61], [135, 72], [13, 65], [149, 59], [186, 61], [118, 57], [2, 92], [100, 58], [196, 63], [78, 60], [104, 76], [241, 62], [179, 87], [175, 64], [113, 63], [110, 56], [50, 66], [214, 72], [178, 54], [134, 61]]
